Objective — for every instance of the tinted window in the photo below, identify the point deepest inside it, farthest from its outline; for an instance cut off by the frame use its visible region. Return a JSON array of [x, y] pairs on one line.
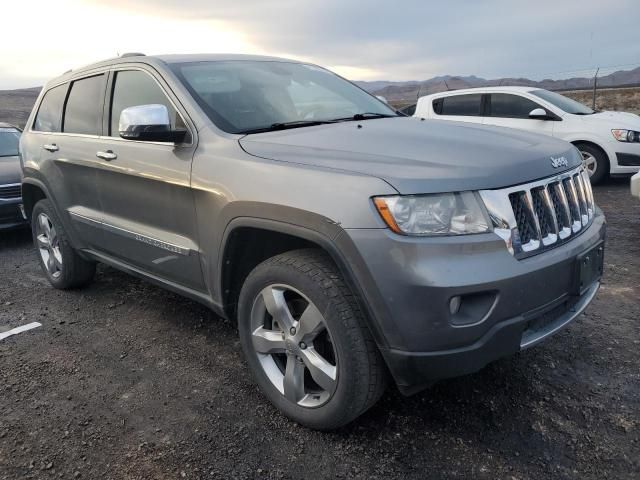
[[563, 103], [245, 96], [510, 106], [83, 111], [410, 110], [133, 88], [50, 111], [9, 138], [467, 105]]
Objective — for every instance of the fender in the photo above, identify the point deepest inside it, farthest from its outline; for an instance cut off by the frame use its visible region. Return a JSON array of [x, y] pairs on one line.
[[329, 236], [598, 141]]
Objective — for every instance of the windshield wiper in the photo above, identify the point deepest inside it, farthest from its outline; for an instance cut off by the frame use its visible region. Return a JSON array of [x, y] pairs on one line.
[[367, 115], [287, 125]]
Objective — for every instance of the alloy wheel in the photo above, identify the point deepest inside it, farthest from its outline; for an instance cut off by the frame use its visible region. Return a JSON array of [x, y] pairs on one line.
[[290, 337], [590, 162], [49, 245]]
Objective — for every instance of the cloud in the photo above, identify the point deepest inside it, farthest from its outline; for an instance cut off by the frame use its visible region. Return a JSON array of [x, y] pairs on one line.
[[411, 39]]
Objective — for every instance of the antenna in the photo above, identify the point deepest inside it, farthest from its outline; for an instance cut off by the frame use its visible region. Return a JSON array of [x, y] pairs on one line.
[[419, 90], [446, 84]]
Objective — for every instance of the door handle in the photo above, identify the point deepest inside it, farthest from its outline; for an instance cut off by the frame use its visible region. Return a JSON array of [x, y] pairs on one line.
[[52, 147], [108, 155]]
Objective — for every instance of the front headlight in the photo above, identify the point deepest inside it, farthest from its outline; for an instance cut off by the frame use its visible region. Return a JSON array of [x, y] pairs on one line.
[[434, 214], [626, 135]]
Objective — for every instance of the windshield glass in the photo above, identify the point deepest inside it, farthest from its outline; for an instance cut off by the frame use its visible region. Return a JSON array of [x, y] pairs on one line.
[[563, 103], [243, 96], [9, 138]]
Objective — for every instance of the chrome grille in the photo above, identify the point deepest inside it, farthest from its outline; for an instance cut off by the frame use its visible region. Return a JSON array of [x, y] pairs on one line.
[[537, 216], [11, 191]]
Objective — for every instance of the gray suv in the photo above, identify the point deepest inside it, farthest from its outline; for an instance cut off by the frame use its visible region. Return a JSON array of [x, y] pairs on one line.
[[351, 244]]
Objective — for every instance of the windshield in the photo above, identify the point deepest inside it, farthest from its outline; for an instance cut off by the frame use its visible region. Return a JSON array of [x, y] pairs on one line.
[[245, 96], [9, 138], [563, 103]]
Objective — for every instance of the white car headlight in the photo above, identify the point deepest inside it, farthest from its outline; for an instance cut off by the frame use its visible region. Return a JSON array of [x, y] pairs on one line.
[[626, 135], [434, 214]]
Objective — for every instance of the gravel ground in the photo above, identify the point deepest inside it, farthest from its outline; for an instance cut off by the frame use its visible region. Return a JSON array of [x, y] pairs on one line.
[[127, 381]]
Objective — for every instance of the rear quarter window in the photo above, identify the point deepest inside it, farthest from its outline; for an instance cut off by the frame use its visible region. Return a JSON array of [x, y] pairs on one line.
[[49, 114]]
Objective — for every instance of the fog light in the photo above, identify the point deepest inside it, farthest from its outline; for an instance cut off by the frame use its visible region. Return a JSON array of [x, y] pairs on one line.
[[454, 304], [22, 212]]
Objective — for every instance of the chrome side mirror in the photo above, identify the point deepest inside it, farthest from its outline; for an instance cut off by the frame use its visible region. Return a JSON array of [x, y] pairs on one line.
[[148, 123], [539, 114]]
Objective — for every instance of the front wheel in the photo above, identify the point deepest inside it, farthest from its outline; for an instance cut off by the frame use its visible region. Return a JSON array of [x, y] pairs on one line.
[[305, 340], [595, 161]]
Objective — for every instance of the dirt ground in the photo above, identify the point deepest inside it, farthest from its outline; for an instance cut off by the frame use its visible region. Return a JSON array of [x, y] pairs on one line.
[[126, 381]]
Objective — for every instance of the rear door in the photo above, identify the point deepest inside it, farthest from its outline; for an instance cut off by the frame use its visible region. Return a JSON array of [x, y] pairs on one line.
[[145, 187], [68, 124], [511, 110], [461, 108]]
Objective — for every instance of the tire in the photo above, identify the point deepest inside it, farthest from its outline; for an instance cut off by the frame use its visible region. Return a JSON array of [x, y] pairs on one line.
[[309, 285], [596, 162], [60, 262]]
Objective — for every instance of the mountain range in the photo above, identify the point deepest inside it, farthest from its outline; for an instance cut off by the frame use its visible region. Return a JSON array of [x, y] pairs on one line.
[[410, 90]]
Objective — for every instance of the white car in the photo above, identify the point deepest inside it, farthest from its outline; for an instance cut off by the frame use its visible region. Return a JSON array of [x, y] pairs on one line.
[[609, 141], [635, 185]]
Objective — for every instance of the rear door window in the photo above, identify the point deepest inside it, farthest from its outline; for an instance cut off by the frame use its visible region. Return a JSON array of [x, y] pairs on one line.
[[83, 110], [459, 105], [505, 105], [49, 114]]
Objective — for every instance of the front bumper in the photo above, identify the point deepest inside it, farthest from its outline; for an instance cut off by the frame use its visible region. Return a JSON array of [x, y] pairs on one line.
[[510, 304], [625, 157], [11, 214]]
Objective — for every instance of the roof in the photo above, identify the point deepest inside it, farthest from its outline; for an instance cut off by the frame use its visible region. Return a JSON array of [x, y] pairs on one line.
[[167, 59], [503, 88]]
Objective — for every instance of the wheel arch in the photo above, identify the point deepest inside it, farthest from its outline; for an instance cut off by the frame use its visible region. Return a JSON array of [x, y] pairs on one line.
[[243, 233], [593, 144], [32, 192]]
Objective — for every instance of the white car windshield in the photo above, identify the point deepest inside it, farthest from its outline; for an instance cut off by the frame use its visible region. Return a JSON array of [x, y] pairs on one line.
[[563, 103], [244, 96]]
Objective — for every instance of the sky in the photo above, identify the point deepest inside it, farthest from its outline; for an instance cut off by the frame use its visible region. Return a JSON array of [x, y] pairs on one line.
[[359, 39]]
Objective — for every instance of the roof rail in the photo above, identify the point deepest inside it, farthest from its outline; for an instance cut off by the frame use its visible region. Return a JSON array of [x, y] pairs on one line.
[[132, 54]]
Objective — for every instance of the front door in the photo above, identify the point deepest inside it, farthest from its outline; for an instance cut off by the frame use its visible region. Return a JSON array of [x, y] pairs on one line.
[[148, 208], [509, 110]]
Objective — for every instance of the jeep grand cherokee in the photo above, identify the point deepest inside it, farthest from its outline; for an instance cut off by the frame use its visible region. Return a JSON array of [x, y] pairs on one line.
[[351, 244]]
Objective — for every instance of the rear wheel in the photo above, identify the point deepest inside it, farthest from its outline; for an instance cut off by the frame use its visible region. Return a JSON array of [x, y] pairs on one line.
[[305, 341], [595, 161], [60, 262]]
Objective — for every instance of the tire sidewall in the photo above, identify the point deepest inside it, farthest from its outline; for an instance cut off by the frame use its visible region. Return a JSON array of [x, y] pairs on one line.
[[341, 404]]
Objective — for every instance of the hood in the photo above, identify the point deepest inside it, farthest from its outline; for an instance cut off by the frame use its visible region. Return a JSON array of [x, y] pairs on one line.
[[10, 171], [627, 120], [417, 156]]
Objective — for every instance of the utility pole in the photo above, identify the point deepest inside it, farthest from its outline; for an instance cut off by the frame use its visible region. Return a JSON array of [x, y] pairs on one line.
[[595, 88]]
